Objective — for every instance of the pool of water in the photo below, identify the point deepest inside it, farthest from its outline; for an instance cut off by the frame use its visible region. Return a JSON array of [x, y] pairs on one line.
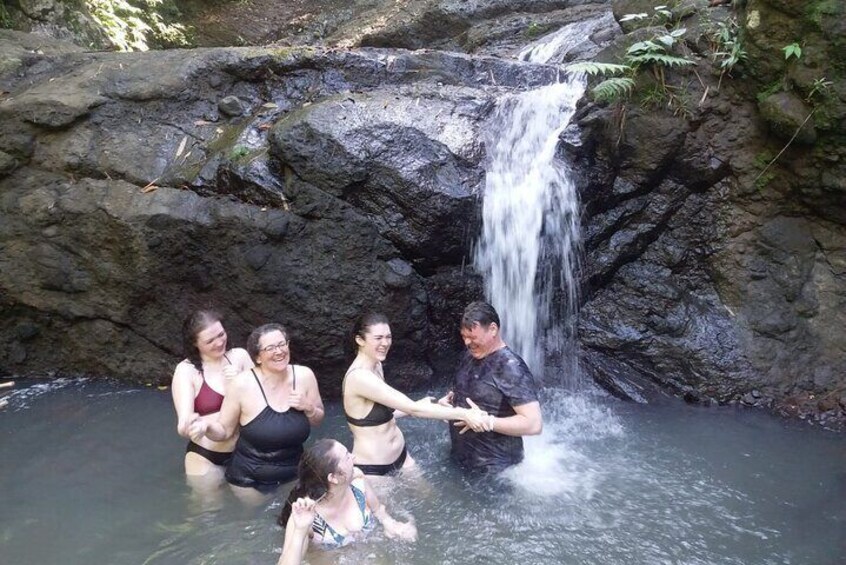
[[91, 472]]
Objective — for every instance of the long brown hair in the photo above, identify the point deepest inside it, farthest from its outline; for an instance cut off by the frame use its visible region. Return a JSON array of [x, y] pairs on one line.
[[312, 475]]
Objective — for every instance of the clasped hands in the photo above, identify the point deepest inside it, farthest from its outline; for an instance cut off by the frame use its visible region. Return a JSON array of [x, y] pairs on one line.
[[474, 418]]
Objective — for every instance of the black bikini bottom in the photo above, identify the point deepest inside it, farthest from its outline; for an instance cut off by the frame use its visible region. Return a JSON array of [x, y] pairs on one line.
[[215, 457], [389, 469]]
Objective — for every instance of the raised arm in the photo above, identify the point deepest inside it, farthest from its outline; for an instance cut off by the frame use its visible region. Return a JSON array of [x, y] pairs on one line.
[[297, 532]]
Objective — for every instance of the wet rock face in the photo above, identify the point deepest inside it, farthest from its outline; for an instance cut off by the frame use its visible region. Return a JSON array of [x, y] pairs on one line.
[[296, 185], [710, 268]]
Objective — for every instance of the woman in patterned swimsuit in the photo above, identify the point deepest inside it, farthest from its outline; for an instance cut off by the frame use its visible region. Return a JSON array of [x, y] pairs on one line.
[[198, 386], [345, 507]]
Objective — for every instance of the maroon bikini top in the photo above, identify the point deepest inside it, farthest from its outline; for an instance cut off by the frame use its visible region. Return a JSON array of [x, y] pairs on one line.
[[208, 401]]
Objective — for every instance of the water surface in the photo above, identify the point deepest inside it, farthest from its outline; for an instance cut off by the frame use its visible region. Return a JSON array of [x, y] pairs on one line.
[[92, 473]]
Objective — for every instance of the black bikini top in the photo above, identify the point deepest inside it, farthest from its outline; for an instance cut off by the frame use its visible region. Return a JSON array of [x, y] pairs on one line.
[[378, 415]]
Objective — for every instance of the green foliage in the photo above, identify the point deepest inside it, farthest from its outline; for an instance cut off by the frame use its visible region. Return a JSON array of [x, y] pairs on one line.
[[132, 24], [533, 30], [644, 57], [819, 88], [5, 18], [792, 50], [769, 90], [593, 68], [726, 45], [239, 152], [658, 59], [613, 88]]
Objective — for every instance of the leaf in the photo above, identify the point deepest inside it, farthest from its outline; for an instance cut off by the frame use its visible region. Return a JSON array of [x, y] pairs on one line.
[[659, 59], [630, 17], [613, 88], [667, 40], [643, 47], [182, 146], [201, 123], [593, 69], [151, 184], [270, 105], [792, 50], [678, 32]]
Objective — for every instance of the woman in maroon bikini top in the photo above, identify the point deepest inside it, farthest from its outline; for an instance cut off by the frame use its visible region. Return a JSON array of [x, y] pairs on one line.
[[198, 386]]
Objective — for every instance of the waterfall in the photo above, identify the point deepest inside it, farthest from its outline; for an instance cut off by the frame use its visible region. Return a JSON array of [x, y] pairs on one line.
[[528, 249]]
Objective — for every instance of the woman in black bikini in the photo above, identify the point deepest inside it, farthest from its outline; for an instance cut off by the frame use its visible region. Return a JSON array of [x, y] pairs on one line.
[[275, 404], [198, 387], [369, 403]]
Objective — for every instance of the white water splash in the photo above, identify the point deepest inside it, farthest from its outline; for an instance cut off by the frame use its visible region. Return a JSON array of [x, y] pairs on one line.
[[554, 464]]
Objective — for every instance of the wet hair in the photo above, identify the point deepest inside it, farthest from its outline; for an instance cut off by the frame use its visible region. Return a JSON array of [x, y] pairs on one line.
[[192, 325], [316, 464], [364, 323], [480, 313], [253, 341]]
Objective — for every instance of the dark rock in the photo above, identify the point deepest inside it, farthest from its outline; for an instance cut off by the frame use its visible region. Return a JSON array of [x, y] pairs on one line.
[[232, 106], [7, 164]]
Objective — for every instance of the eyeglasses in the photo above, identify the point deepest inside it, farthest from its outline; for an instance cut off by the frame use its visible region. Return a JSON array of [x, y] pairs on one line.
[[281, 346]]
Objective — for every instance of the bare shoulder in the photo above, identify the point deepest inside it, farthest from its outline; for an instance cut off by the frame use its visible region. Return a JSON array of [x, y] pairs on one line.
[[242, 381], [184, 371], [304, 373], [240, 357]]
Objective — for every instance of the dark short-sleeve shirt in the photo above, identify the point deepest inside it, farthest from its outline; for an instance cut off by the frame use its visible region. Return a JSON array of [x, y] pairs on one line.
[[496, 383]]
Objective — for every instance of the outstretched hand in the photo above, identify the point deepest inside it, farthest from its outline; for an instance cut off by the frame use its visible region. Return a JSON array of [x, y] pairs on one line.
[[475, 419]]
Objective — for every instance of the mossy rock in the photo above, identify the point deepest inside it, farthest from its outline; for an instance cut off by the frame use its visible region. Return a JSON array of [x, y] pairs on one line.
[[785, 113]]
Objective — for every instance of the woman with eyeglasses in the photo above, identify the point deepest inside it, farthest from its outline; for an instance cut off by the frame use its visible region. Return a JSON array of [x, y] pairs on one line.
[[275, 404], [198, 387], [332, 504], [370, 403]]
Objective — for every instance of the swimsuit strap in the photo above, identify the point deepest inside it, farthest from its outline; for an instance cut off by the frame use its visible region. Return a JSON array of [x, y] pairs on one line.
[[360, 497], [227, 359], [294, 373], [258, 382]]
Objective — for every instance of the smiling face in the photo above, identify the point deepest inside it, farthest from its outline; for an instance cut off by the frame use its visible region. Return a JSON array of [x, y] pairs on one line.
[[273, 351], [481, 340], [211, 341], [375, 342]]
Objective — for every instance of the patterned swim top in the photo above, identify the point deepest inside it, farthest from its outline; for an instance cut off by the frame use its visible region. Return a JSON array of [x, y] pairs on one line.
[[326, 535]]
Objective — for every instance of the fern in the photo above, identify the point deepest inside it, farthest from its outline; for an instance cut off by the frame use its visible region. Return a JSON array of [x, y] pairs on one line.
[[658, 59], [593, 69], [612, 89], [644, 47]]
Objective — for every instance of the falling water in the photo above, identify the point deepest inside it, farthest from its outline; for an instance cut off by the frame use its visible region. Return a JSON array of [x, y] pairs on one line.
[[530, 234]]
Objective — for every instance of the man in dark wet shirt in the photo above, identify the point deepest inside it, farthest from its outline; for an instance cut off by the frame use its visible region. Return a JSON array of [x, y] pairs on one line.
[[500, 383]]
